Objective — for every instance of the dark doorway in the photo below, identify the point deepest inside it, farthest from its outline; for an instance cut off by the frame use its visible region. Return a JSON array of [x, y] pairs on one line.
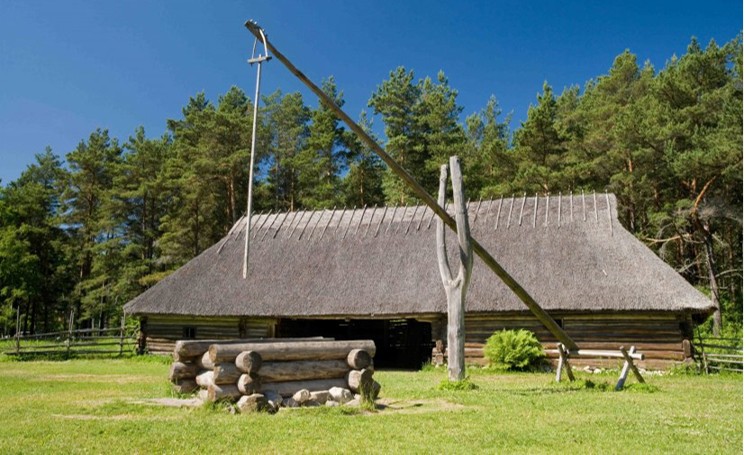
[[400, 343]]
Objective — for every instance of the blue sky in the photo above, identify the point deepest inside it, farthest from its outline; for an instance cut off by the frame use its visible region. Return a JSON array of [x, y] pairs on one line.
[[67, 68]]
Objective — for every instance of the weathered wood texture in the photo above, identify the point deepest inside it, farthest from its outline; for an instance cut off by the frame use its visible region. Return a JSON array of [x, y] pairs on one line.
[[455, 286], [358, 359], [205, 379], [247, 361], [223, 392], [185, 386], [660, 336], [226, 373], [249, 383], [360, 380], [162, 331], [181, 370], [204, 361], [298, 350], [300, 370]]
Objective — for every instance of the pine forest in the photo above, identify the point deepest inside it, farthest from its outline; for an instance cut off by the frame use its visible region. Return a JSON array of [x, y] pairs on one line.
[[86, 231]]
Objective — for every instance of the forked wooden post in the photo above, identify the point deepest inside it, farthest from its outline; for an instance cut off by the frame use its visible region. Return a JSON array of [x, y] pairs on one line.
[[455, 287]]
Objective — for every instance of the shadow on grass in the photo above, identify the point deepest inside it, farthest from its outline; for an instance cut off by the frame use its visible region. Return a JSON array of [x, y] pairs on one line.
[[584, 385]]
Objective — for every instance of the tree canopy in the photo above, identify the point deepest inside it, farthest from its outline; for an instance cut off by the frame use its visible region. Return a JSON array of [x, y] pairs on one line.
[[89, 233]]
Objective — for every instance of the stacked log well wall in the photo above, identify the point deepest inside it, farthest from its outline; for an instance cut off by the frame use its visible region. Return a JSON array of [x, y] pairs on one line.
[[162, 331], [281, 367], [662, 337]]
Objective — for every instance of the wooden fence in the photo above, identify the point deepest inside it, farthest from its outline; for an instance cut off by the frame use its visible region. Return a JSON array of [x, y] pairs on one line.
[[720, 354], [74, 342]]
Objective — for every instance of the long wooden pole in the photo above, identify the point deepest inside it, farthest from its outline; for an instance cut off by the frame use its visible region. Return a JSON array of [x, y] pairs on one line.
[[509, 281]]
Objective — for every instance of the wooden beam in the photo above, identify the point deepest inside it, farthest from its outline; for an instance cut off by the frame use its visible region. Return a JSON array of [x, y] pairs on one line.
[[421, 193]]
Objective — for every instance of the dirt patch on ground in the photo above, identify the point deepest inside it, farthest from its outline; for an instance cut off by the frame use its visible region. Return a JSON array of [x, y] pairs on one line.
[[108, 378], [417, 406], [172, 402]]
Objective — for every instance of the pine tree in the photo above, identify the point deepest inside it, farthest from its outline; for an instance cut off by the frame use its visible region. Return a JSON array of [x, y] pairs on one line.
[[324, 156], [85, 207]]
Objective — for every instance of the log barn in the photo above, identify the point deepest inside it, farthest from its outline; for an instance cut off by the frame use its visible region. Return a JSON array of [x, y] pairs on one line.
[[372, 273]]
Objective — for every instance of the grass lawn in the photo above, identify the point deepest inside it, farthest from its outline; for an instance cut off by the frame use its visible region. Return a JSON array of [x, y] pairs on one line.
[[91, 406]]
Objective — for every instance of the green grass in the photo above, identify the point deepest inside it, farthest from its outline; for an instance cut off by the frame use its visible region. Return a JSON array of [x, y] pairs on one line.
[[91, 406]]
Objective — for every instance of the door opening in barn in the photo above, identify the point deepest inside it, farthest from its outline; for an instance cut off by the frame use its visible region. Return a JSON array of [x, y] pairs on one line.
[[400, 343]]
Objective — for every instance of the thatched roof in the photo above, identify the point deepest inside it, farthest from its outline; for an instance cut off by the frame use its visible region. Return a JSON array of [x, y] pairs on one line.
[[569, 252]]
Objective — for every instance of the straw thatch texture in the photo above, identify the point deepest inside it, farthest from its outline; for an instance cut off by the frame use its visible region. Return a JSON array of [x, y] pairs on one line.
[[569, 252]]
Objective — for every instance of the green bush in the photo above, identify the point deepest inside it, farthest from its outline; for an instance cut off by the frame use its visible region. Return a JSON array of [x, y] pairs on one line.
[[514, 350]]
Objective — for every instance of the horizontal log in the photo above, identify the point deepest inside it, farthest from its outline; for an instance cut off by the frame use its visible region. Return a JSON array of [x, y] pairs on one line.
[[291, 350], [204, 361], [649, 355], [205, 379], [247, 361], [360, 380], [228, 392], [358, 359], [301, 370], [610, 345], [185, 386], [288, 389], [249, 383], [193, 348], [181, 370], [226, 373], [599, 353]]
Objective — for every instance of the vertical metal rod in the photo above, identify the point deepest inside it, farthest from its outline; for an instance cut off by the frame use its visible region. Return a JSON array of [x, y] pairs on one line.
[[251, 171]]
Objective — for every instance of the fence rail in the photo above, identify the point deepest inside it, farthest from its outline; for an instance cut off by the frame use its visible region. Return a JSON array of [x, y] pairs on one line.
[[110, 341], [720, 354]]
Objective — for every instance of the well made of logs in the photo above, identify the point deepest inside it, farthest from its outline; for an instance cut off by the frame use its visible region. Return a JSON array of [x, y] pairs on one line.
[[266, 374]]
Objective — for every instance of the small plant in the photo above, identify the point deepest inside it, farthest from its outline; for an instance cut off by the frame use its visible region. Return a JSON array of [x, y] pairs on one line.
[[514, 350], [464, 384]]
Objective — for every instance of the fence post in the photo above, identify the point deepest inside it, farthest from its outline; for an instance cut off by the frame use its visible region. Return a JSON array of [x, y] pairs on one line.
[[121, 338], [18, 330], [70, 334]]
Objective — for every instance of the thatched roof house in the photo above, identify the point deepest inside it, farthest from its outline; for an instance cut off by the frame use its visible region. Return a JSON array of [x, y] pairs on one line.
[[374, 272]]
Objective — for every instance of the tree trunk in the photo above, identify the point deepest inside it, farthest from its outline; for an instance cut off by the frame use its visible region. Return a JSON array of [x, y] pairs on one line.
[[717, 318]]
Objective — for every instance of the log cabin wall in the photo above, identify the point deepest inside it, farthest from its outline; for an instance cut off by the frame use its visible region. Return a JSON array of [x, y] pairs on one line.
[[162, 331], [664, 338]]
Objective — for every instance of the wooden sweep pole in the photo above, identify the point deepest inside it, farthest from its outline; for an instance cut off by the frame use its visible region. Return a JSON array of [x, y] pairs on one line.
[[479, 250]]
